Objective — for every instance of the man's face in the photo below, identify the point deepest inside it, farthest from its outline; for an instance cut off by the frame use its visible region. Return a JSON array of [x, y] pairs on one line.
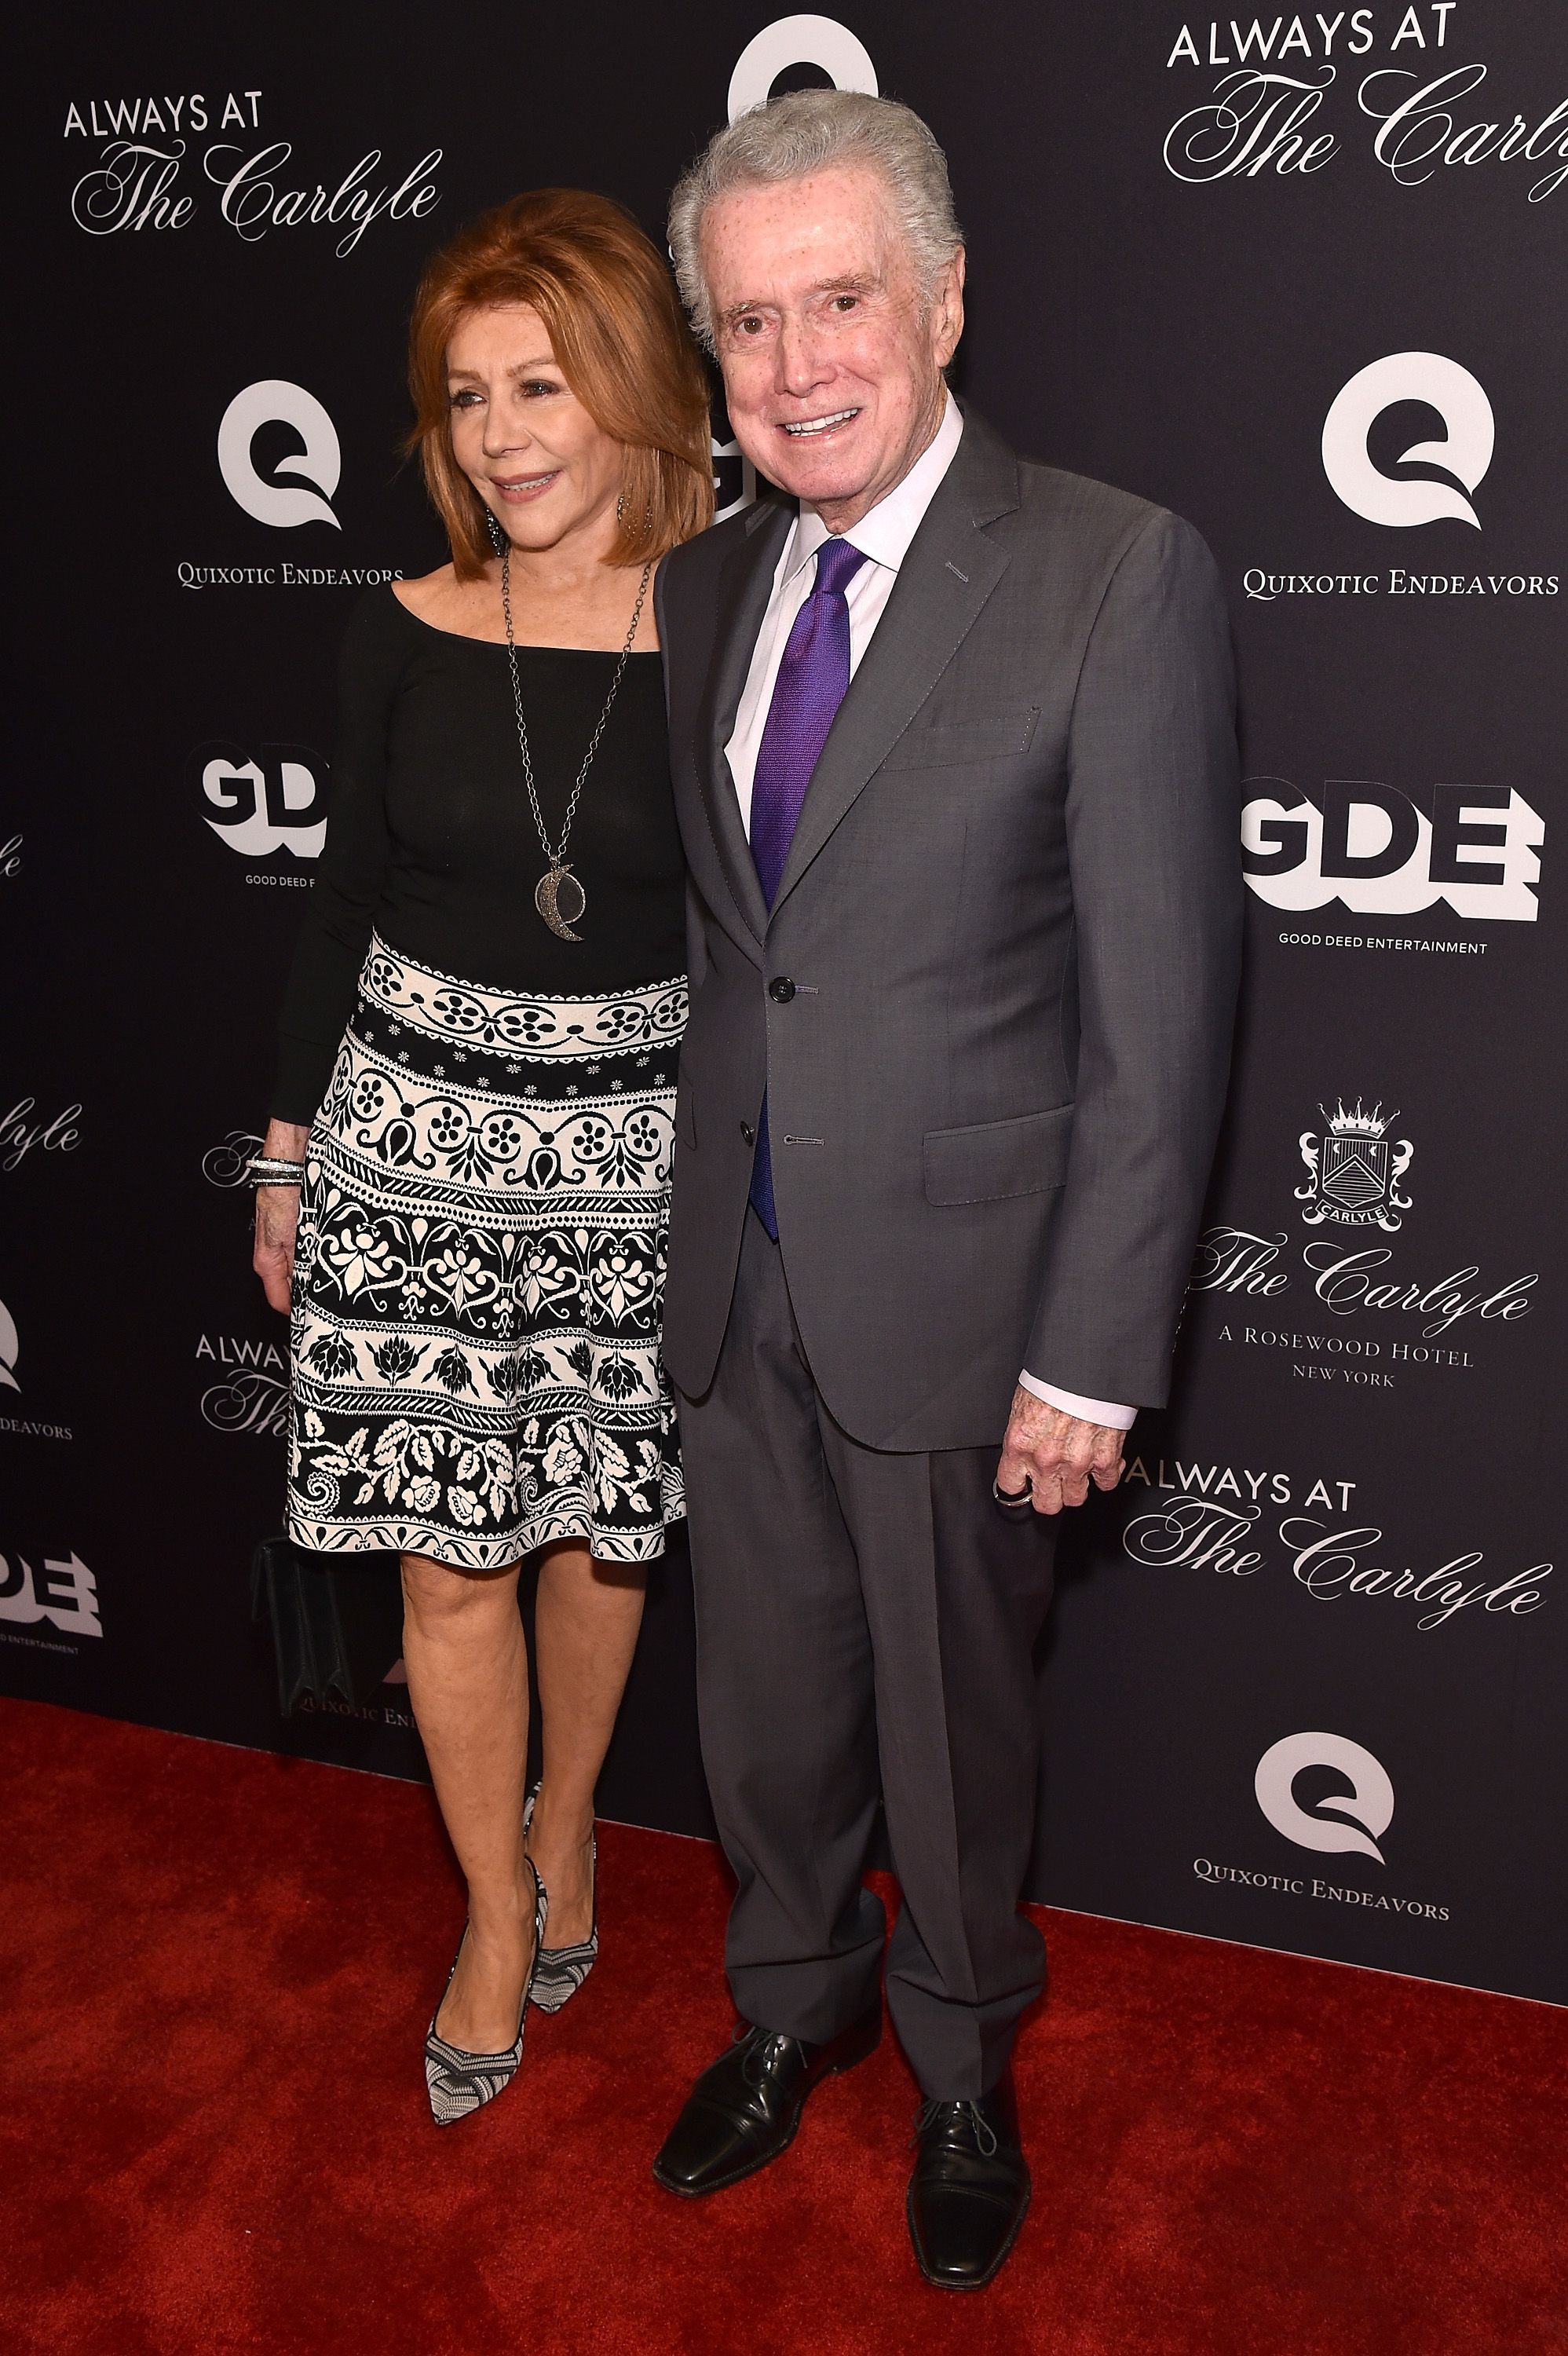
[[832, 349]]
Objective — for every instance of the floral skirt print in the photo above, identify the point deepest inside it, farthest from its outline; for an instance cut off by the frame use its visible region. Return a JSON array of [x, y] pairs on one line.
[[479, 1272]]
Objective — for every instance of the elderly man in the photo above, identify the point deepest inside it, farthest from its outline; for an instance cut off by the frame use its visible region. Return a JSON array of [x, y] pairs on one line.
[[956, 770]]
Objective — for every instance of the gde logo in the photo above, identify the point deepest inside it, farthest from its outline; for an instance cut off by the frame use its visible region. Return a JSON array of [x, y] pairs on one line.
[[1368, 1805], [259, 805], [1372, 848], [63, 1594], [276, 401], [1466, 452]]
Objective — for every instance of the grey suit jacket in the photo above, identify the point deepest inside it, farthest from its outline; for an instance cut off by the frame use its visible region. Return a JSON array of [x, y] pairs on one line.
[[1011, 919]]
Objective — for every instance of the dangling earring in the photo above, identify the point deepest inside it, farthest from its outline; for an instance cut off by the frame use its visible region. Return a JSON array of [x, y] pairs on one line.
[[497, 537], [621, 508]]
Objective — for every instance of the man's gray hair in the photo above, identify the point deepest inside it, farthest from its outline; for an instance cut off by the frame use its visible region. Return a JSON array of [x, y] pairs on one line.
[[810, 131]]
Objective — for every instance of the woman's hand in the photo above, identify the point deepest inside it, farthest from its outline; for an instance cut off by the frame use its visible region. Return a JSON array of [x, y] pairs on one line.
[[277, 1217]]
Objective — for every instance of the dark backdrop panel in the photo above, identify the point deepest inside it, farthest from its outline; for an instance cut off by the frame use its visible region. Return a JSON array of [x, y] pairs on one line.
[[1322, 1610]]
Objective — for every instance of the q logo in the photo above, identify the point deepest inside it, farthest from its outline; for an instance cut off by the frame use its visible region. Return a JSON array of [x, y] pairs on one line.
[[275, 402], [799, 41], [1368, 1804], [1466, 452]]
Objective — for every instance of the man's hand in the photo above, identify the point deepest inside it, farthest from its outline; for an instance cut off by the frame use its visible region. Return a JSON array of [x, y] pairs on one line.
[[1059, 1454]]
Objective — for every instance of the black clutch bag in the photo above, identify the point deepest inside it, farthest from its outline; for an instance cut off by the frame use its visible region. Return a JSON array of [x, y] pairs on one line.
[[336, 1619]]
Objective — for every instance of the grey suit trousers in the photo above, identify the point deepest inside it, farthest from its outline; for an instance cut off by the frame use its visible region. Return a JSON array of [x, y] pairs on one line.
[[866, 1629]]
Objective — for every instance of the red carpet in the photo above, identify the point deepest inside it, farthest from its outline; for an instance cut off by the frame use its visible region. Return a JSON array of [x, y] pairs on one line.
[[215, 1966]]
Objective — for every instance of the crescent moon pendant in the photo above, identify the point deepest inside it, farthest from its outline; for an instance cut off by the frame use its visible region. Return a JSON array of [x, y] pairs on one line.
[[561, 901]]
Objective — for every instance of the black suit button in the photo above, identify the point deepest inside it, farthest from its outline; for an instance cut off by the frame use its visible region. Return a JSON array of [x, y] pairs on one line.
[[748, 1132], [782, 990]]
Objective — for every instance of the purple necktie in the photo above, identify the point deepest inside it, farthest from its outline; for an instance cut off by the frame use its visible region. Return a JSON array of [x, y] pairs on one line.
[[813, 680]]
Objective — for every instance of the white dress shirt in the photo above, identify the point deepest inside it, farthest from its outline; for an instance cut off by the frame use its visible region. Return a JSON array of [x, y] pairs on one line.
[[883, 536]]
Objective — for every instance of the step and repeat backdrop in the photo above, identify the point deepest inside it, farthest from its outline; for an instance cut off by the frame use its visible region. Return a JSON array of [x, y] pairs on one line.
[[1298, 277]]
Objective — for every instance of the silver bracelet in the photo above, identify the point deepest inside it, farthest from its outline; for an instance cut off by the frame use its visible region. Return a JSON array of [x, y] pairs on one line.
[[267, 1170]]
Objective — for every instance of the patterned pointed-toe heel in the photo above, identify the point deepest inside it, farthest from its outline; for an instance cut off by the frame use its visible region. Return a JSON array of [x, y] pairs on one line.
[[460, 2082], [561, 1971]]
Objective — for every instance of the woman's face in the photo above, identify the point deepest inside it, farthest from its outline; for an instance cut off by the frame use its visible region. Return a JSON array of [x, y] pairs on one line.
[[522, 437]]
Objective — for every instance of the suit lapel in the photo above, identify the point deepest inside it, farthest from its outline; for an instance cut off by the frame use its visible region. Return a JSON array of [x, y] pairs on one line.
[[943, 582], [745, 586]]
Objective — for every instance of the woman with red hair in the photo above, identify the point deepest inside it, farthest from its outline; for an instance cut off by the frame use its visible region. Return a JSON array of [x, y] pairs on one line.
[[464, 1190]]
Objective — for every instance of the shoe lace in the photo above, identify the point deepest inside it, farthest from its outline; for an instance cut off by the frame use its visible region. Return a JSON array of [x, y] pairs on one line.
[[765, 2048], [971, 2116]]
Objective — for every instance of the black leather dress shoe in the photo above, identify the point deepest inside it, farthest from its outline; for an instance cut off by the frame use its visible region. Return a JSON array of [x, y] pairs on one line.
[[969, 2189], [745, 2110]]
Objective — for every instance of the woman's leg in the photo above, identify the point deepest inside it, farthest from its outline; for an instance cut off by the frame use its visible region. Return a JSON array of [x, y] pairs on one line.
[[468, 1681], [585, 1632]]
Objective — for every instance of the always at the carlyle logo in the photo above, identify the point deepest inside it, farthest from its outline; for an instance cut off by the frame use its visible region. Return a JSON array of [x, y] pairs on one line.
[[1216, 1521], [1291, 90], [258, 802], [51, 1593], [225, 1165], [251, 1392], [1354, 1171], [160, 163]]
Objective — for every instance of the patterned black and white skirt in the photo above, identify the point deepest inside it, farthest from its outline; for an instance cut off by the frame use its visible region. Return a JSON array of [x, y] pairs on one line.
[[479, 1274]]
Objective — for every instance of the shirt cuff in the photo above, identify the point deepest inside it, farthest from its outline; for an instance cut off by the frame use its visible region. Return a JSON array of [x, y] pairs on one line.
[[1088, 1410]]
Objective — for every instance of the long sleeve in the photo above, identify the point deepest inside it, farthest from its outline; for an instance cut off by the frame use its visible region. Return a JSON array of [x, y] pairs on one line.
[[1153, 831], [324, 975]]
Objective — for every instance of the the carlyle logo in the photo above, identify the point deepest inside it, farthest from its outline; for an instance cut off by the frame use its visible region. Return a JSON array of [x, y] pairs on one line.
[[145, 143], [225, 1164], [24, 1127], [1354, 1171], [320, 460], [64, 1594], [1465, 450], [819, 41], [1271, 114], [273, 799], [1372, 847], [1369, 1804], [1209, 1517], [1253, 1270], [252, 1394]]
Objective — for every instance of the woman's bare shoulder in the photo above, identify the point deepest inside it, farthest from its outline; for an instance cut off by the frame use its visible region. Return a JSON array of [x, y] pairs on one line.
[[430, 594]]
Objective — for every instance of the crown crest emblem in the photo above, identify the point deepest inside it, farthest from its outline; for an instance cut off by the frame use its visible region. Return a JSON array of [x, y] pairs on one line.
[[1355, 1169], [1359, 1123]]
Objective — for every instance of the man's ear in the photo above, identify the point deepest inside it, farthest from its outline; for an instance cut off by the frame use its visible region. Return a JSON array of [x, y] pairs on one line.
[[948, 311]]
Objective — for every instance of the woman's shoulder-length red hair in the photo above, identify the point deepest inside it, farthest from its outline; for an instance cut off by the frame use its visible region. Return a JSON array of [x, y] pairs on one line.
[[617, 330]]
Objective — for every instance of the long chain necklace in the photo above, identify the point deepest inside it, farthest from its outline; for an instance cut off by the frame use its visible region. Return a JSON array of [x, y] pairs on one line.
[[558, 895]]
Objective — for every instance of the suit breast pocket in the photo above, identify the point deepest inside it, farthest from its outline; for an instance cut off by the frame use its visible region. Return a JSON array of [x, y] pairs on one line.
[[994, 1160], [1004, 734]]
